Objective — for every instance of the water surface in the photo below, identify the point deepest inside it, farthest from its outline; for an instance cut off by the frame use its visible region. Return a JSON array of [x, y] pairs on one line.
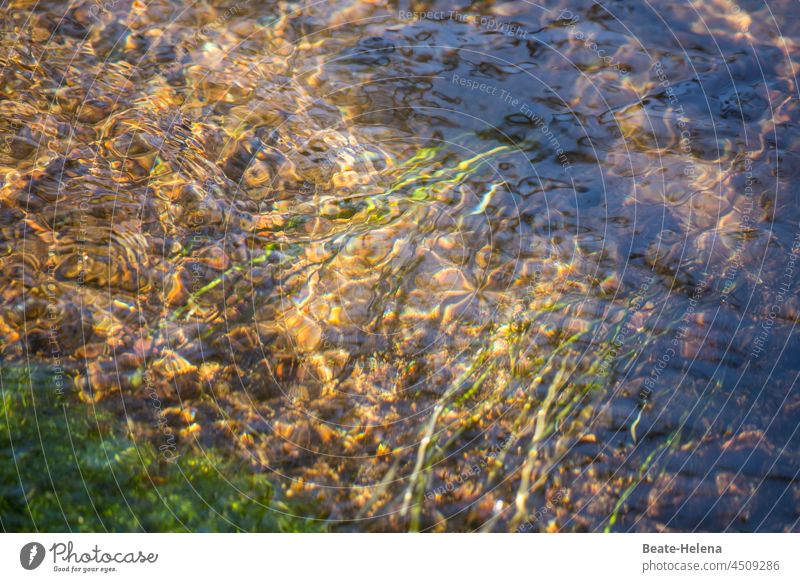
[[500, 266]]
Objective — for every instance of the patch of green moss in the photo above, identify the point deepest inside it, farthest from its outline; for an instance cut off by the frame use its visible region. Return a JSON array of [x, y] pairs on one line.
[[68, 466]]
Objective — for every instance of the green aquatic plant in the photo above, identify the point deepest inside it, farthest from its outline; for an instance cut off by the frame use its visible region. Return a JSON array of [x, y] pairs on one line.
[[70, 467]]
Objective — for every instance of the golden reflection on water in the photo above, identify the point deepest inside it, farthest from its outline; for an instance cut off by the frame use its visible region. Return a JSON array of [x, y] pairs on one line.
[[408, 300]]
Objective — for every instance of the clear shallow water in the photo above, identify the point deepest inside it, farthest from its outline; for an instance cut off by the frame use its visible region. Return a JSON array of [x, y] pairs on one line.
[[505, 266]]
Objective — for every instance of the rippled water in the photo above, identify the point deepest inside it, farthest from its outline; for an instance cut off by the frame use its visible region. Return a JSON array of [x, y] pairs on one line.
[[519, 266]]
